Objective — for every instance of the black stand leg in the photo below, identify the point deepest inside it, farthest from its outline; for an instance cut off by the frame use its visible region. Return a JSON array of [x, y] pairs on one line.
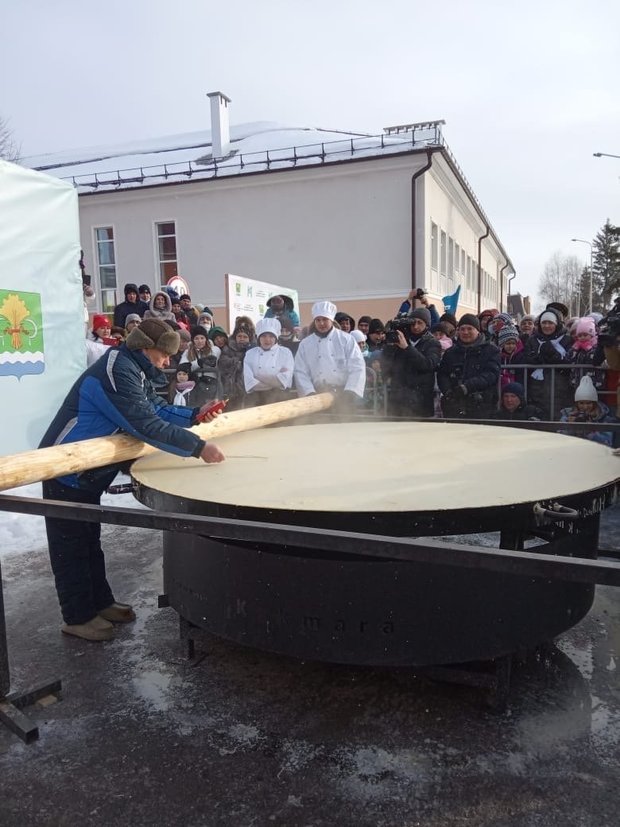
[[11, 705]]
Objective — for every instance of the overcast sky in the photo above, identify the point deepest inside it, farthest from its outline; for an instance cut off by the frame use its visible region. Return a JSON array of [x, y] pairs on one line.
[[529, 90]]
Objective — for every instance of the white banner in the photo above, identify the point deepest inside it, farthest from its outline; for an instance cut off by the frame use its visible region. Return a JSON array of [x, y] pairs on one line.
[[248, 297], [42, 345]]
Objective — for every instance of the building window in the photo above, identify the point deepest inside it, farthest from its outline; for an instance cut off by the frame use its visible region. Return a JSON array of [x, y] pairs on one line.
[[450, 259], [433, 246], [106, 267], [166, 251], [463, 265], [457, 261], [443, 253]]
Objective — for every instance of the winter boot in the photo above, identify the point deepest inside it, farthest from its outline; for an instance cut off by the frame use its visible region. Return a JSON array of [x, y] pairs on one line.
[[118, 613], [96, 629]]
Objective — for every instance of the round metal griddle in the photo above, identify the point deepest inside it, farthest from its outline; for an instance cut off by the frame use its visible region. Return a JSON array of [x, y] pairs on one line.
[[392, 478]]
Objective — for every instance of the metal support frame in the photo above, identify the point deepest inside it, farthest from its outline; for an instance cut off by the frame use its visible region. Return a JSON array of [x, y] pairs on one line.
[[11, 704], [509, 558], [407, 549]]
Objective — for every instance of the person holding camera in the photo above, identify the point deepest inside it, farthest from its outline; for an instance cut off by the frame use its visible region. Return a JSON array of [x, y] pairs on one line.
[[409, 361], [587, 408], [200, 360], [468, 373], [416, 298]]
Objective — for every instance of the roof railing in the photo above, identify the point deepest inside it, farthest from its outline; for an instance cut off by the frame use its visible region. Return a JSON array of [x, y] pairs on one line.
[[423, 135]]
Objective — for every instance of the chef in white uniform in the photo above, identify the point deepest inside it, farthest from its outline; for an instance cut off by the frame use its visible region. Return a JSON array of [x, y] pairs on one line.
[[268, 368], [329, 359]]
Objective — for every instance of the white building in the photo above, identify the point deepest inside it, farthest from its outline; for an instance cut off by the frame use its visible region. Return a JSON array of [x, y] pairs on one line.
[[355, 218]]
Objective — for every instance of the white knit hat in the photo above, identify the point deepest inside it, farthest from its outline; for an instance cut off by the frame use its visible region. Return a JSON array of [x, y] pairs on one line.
[[272, 326], [326, 309], [358, 336], [586, 392]]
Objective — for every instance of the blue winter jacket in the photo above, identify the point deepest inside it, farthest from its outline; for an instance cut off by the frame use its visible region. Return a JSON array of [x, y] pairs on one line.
[[114, 394]]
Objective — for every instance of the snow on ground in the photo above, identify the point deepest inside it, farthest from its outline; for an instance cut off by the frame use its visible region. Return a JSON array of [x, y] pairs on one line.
[[21, 533]]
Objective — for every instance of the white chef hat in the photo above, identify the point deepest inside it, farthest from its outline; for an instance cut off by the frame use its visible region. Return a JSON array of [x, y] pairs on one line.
[[358, 336], [586, 392], [326, 309], [268, 326]]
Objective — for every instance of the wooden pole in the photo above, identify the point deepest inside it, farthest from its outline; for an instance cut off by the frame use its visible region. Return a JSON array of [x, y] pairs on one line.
[[75, 457]]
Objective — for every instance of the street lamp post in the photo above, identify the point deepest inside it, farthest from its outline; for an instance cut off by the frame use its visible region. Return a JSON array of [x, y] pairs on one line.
[[604, 155], [589, 243]]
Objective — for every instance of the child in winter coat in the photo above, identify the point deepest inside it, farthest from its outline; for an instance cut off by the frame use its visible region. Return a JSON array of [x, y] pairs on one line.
[[183, 386], [587, 408], [511, 353], [585, 352]]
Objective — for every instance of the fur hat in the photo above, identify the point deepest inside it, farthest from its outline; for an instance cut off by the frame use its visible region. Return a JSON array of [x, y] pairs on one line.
[[131, 288], [326, 309], [132, 317], [144, 288], [507, 333], [561, 308], [421, 313], [586, 392], [527, 318], [153, 333], [101, 321], [470, 319]]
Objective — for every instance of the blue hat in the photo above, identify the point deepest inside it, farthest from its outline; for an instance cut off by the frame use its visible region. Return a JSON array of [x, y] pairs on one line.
[[516, 388]]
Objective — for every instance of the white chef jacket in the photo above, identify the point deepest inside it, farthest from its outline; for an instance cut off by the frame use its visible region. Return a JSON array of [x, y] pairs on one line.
[[262, 369], [333, 361]]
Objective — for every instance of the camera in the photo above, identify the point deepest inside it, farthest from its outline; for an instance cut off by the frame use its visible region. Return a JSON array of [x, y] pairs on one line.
[[401, 323], [609, 326]]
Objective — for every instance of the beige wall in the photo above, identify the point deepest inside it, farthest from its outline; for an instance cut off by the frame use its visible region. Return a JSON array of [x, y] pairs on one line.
[[339, 232], [450, 208]]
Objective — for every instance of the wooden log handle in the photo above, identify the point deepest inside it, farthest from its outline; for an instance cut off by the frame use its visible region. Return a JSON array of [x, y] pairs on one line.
[[74, 457]]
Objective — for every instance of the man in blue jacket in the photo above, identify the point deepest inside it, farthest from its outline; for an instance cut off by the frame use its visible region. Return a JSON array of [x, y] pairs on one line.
[[114, 394]]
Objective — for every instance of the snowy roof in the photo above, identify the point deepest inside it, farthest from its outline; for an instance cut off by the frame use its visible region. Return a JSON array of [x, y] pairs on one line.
[[254, 147]]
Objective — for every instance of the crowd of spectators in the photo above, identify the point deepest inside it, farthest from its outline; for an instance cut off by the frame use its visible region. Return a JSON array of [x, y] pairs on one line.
[[418, 364]]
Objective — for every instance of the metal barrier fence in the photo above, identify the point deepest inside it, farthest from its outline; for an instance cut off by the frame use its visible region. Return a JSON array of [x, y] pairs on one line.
[[376, 397]]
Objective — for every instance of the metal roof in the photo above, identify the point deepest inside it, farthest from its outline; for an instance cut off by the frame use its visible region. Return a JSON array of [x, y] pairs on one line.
[[255, 147]]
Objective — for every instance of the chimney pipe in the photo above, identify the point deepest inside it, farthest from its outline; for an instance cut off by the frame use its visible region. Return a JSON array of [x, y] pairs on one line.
[[220, 131]]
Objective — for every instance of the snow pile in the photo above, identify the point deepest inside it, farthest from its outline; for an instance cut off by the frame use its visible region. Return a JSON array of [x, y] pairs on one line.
[[21, 533]]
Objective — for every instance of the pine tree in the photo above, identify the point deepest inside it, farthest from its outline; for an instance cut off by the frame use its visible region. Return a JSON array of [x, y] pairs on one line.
[[606, 265], [584, 292]]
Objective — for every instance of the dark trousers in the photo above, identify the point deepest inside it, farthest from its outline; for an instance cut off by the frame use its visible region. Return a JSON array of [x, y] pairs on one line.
[[77, 558]]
